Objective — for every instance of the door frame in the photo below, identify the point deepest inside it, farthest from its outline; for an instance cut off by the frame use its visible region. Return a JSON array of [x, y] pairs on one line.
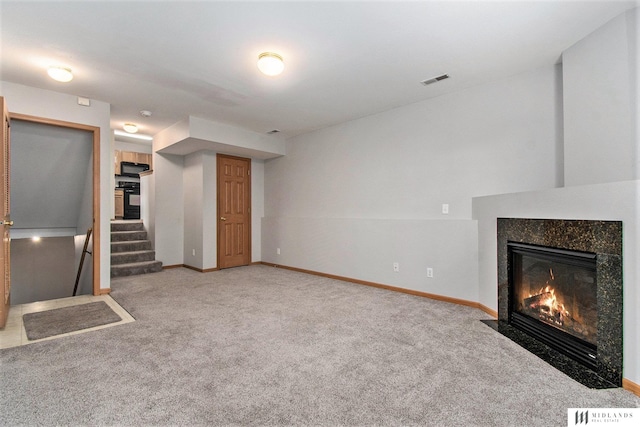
[[95, 130], [218, 213], [5, 215]]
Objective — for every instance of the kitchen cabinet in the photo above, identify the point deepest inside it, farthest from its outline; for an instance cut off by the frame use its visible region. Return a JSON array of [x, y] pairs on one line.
[[131, 156], [119, 204], [117, 158], [144, 158]]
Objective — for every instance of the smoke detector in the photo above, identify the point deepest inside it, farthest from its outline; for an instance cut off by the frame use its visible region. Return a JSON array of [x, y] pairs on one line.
[[271, 132], [434, 79], [145, 113]]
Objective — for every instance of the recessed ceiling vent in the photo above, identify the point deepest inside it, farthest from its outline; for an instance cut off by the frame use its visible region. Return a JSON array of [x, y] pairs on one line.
[[271, 132], [434, 79]]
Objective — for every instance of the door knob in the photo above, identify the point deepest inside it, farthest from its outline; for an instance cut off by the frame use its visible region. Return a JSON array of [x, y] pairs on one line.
[[223, 218], [9, 223]]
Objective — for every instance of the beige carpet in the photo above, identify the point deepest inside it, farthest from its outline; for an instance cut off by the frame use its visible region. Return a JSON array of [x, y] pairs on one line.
[[264, 346]]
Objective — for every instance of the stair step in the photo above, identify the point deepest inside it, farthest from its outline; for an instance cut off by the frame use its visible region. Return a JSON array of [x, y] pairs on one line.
[[131, 257], [120, 236], [131, 251], [130, 246], [127, 225], [136, 268]]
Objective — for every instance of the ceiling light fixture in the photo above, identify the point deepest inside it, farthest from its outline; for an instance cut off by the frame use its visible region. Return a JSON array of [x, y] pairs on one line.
[[130, 128], [270, 63], [60, 74]]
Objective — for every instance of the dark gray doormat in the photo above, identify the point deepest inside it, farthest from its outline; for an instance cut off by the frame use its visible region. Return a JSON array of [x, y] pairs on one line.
[[68, 319]]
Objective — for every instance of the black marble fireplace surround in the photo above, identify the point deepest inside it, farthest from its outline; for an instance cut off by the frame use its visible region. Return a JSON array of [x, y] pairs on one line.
[[603, 238]]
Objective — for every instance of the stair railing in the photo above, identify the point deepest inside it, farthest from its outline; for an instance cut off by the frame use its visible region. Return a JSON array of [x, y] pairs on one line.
[[84, 252]]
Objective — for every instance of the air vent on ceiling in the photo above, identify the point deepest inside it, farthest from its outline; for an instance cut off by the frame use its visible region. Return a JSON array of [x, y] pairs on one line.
[[434, 79], [271, 132]]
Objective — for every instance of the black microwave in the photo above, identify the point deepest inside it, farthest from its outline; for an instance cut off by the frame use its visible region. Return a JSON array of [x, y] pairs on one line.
[[132, 169]]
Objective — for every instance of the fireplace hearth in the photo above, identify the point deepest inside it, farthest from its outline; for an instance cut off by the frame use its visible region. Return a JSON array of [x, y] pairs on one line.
[[560, 294]]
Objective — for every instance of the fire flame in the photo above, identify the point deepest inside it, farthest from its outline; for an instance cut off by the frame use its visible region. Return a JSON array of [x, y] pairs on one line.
[[552, 302], [548, 305]]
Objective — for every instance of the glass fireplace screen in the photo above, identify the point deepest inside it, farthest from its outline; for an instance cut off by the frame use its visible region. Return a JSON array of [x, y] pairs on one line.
[[555, 287]]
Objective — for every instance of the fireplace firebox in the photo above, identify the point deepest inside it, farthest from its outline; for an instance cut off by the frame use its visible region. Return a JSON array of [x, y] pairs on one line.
[[554, 298], [567, 305]]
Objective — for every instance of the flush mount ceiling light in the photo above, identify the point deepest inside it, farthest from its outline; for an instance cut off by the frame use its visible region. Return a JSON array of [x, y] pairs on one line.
[[60, 74], [270, 63], [130, 127]]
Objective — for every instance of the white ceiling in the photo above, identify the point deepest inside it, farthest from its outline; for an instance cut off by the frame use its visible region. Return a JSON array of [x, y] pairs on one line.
[[343, 60]]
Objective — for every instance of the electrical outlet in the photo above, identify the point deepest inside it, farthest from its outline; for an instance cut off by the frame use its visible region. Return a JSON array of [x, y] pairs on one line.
[[278, 251], [445, 208], [396, 267], [429, 272], [193, 252]]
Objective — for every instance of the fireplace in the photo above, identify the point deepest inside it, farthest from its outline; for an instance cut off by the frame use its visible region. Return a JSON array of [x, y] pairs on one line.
[[554, 298], [560, 294]]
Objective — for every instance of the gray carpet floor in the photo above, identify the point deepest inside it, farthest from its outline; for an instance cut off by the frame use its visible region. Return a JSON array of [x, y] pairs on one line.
[[264, 346]]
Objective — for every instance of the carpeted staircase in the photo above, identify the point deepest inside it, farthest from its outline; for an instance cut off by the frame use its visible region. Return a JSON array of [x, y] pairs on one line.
[[131, 252]]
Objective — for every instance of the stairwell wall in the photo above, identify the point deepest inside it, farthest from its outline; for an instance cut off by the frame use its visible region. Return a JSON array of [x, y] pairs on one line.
[[53, 105]]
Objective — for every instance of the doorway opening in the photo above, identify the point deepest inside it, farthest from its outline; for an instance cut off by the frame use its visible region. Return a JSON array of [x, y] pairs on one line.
[[55, 200]]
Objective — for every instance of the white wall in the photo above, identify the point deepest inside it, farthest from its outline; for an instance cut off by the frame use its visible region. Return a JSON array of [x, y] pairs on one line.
[[43, 103], [200, 209], [200, 195], [143, 147], [169, 208], [148, 206], [193, 181], [185, 215], [404, 163], [600, 118], [43, 270], [234, 140], [365, 249], [257, 208], [51, 178], [209, 211], [198, 183], [352, 199]]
